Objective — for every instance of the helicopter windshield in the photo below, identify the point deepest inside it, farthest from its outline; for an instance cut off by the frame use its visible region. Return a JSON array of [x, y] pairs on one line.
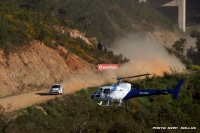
[[99, 91]]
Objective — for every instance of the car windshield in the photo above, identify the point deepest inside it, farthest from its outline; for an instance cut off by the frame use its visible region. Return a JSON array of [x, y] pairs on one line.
[[55, 86]]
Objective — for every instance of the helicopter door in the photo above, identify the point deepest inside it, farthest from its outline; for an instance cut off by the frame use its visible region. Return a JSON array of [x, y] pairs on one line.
[[119, 93], [106, 91]]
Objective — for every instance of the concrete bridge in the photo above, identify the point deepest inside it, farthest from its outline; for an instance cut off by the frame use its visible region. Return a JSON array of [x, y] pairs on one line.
[[181, 12]]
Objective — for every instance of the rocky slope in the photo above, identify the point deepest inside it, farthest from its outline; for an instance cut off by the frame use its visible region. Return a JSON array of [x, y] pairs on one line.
[[31, 68], [34, 68]]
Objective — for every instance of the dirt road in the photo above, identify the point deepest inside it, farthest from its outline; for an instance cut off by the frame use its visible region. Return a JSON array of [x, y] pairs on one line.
[[27, 99], [70, 86]]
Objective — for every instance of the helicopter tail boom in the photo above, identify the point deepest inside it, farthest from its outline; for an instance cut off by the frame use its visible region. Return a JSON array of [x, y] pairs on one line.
[[177, 89]]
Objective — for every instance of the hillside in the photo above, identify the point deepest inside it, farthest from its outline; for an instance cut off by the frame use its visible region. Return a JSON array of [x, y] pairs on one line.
[[36, 67], [102, 19], [45, 44]]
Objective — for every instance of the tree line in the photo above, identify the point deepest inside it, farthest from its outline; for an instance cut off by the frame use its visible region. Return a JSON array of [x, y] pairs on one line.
[[188, 56]]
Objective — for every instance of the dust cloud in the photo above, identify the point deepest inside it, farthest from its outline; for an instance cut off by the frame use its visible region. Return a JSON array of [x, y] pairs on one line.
[[76, 81], [145, 57]]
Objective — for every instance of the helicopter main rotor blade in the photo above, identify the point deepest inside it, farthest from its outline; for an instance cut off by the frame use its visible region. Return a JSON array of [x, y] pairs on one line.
[[119, 78]]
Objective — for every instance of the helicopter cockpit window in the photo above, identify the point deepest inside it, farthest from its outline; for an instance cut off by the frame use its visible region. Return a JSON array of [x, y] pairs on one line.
[[99, 91], [106, 91]]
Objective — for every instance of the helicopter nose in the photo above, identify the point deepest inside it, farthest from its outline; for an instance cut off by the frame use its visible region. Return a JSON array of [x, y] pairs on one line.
[[92, 96]]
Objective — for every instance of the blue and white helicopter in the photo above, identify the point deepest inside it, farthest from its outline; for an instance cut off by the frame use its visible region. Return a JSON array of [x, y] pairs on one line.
[[118, 92]]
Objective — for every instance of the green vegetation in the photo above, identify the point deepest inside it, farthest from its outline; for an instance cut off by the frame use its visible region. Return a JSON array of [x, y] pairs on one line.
[[18, 27], [194, 67], [191, 58], [106, 19], [194, 52], [78, 113], [177, 49], [90, 53], [23, 21]]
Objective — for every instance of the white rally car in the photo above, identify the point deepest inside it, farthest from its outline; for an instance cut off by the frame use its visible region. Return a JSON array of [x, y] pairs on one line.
[[56, 89]]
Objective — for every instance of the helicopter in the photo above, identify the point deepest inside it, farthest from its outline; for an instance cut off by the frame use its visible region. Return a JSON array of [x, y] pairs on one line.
[[119, 92]]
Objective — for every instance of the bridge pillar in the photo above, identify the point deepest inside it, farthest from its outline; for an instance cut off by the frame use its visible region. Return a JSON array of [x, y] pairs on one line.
[[181, 12]]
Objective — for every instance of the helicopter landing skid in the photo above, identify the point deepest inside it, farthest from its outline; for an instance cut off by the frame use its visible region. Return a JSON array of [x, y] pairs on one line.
[[108, 103], [111, 105]]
